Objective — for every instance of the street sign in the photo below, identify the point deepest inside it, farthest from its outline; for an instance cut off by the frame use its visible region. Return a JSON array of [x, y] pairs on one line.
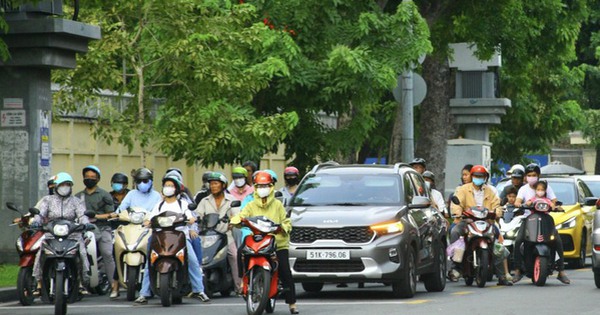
[[419, 89], [12, 118]]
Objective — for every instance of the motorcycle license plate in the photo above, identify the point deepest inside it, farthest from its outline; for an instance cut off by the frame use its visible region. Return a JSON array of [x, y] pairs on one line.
[[327, 254]]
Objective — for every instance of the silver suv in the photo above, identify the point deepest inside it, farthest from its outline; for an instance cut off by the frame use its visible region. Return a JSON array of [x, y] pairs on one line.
[[366, 223]]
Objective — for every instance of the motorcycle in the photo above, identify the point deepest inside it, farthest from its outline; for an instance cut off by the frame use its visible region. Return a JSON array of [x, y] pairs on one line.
[[260, 282], [28, 244], [217, 271], [60, 280], [478, 256], [131, 243], [539, 254], [510, 223], [169, 277]]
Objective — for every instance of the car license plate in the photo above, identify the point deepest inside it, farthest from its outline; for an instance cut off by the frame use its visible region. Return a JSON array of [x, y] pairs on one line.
[[327, 254]]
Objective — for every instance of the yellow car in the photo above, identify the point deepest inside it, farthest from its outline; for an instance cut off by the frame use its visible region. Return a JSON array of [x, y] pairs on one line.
[[575, 224]]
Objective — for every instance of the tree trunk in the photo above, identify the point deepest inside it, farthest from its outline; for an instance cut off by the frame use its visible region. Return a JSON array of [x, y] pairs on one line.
[[344, 120], [435, 125], [597, 166]]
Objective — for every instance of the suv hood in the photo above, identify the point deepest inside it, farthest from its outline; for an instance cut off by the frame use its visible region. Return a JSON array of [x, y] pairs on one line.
[[340, 216]]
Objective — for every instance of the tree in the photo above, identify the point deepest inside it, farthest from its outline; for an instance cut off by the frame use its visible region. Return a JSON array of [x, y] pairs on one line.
[[191, 68]]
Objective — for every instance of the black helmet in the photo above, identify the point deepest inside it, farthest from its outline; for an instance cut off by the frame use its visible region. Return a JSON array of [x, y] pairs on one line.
[[532, 168], [143, 173], [418, 161], [205, 176], [517, 174], [119, 178], [429, 174]]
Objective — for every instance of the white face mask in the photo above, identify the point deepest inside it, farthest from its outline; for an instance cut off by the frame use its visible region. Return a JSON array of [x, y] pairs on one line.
[[168, 191], [239, 182], [540, 194], [428, 184], [263, 192], [64, 191]]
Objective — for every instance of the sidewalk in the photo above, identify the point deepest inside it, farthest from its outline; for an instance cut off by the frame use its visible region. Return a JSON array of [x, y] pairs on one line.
[[8, 294]]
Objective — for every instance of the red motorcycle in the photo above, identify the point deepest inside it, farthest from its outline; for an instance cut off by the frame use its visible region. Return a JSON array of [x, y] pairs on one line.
[[28, 244], [260, 283]]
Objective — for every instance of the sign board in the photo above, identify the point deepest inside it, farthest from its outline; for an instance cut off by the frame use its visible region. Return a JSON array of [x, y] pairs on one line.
[[13, 103], [419, 89], [12, 118]]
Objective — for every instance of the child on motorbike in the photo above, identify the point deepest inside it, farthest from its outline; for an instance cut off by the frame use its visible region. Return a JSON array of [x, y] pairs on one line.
[[265, 204]]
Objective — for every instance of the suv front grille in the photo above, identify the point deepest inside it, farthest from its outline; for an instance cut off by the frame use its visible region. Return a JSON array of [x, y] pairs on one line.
[[358, 235], [352, 265]]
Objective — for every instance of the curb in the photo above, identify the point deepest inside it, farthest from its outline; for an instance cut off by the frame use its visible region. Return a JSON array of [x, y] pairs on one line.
[[8, 294]]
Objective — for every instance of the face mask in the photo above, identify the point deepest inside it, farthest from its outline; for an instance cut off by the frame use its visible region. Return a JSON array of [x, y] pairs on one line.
[[144, 187], [540, 193], [263, 192], [168, 191], [428, 184], [478, 181], [89, 182], [532, 180], [239, 182], [117, 187], [291, 181], [64, 191]]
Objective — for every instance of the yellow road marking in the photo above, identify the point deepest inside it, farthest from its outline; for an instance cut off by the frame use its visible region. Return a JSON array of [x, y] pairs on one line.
[[462, 293], [417, 302], [584, 269]]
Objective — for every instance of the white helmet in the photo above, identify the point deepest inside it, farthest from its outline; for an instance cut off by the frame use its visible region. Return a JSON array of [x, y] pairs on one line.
[[515, 167]]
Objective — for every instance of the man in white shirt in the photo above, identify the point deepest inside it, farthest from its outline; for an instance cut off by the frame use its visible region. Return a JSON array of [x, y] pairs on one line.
[[437, 197]]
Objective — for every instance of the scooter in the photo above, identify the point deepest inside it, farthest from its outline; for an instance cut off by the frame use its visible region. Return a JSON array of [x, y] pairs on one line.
[[59, 261], [260, 283], [131, 243], [217, 271], [169, 277], [28, 244], [99, 282], [539, 254], [510, 223]]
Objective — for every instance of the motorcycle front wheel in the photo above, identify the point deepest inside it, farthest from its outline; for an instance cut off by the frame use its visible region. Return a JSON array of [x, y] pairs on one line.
[[483, 267], [165, 289], [540, 271], [258, 291], [132, 280], [26, 285], [60, 300]]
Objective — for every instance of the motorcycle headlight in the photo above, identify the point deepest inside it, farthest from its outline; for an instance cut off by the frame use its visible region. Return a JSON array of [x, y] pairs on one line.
[[166, 221], [60, 230], [136, 217], [567, 224], [37, 244], [208, 240]]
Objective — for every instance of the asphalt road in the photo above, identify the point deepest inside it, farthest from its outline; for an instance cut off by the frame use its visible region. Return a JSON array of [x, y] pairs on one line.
[[523, 298]]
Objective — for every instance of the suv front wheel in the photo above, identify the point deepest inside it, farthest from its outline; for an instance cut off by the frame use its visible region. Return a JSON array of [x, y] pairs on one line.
[[436, 281], [407, 287]]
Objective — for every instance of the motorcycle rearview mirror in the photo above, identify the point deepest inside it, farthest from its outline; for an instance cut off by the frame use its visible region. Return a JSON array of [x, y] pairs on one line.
[[192, 206], [12, 207], [455, 200], [235, 203], [90, 214], [278, 194], [559, 203], [34, 211]]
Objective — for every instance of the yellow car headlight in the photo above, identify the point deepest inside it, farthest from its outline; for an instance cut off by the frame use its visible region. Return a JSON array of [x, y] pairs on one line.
[[388, 228], [569, 224]]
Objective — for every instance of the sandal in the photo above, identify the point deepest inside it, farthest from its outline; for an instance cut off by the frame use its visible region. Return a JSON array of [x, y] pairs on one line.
[[564, 279]]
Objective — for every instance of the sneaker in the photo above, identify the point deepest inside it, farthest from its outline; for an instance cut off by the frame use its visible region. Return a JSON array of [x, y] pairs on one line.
[[508, 277], [83, 291], [140, 301], [200, 296]]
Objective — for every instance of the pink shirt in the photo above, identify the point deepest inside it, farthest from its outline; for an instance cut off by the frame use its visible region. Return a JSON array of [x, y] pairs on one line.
[[240, 195]]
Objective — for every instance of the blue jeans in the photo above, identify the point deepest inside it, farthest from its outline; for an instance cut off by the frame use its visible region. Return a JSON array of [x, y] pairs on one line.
[[193, 269]]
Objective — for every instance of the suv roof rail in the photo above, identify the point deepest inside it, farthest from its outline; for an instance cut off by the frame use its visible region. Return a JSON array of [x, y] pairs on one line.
[[324, 164], [400, 164]]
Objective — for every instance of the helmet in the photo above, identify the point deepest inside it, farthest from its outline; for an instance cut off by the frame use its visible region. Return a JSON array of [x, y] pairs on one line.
[[479, 170], [429, 174], [92, 168], [273, 175], [205, 176], [532, 168], [514, 168], [217, 176], [143, 173], [418, 161], [290, 170], [175, 181], [119, 178], [63, 178], [176, 169], [175, 174], [517, 173], [263, 178], [239, 172]]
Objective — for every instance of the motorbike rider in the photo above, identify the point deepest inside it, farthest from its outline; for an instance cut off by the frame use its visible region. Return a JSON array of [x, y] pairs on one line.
[[265, 204], [437, 197], [185, 192], [241, 189], [418, 164], [291, 175], [515, 167], [118, 183], [250, 167], [63, 205], [205, 191], [219, 201], [516, 179], [101, 202], [144, 195], [526, 192], [476, 193], [171, 189]]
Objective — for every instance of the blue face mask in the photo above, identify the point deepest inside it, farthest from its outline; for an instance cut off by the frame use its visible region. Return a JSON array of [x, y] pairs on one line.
[[144, 187], [478, 181], [117, 187]]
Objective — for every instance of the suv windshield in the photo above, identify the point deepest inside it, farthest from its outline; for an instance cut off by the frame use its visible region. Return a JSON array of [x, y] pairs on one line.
[[348, 189]]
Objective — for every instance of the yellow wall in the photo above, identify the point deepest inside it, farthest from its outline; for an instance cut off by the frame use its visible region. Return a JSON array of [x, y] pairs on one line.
[[73, 148]]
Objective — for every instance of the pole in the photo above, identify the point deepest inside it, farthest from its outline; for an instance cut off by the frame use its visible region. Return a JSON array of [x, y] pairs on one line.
[[408, 148]]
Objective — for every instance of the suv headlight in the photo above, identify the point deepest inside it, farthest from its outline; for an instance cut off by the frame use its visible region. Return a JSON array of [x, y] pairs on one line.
[[567, 224], [60, 230], [388, 228]]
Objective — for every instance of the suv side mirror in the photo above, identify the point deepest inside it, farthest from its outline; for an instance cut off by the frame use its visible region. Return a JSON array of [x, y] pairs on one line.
[[419, 202], [590, 201], [235, 203]]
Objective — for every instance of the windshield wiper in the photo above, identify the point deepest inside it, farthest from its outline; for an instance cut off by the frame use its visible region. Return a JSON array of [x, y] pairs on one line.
[[347, 204]]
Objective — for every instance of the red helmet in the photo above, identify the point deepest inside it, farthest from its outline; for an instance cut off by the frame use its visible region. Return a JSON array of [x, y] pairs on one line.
[[263, 178], [479, 170], [290, 170]]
